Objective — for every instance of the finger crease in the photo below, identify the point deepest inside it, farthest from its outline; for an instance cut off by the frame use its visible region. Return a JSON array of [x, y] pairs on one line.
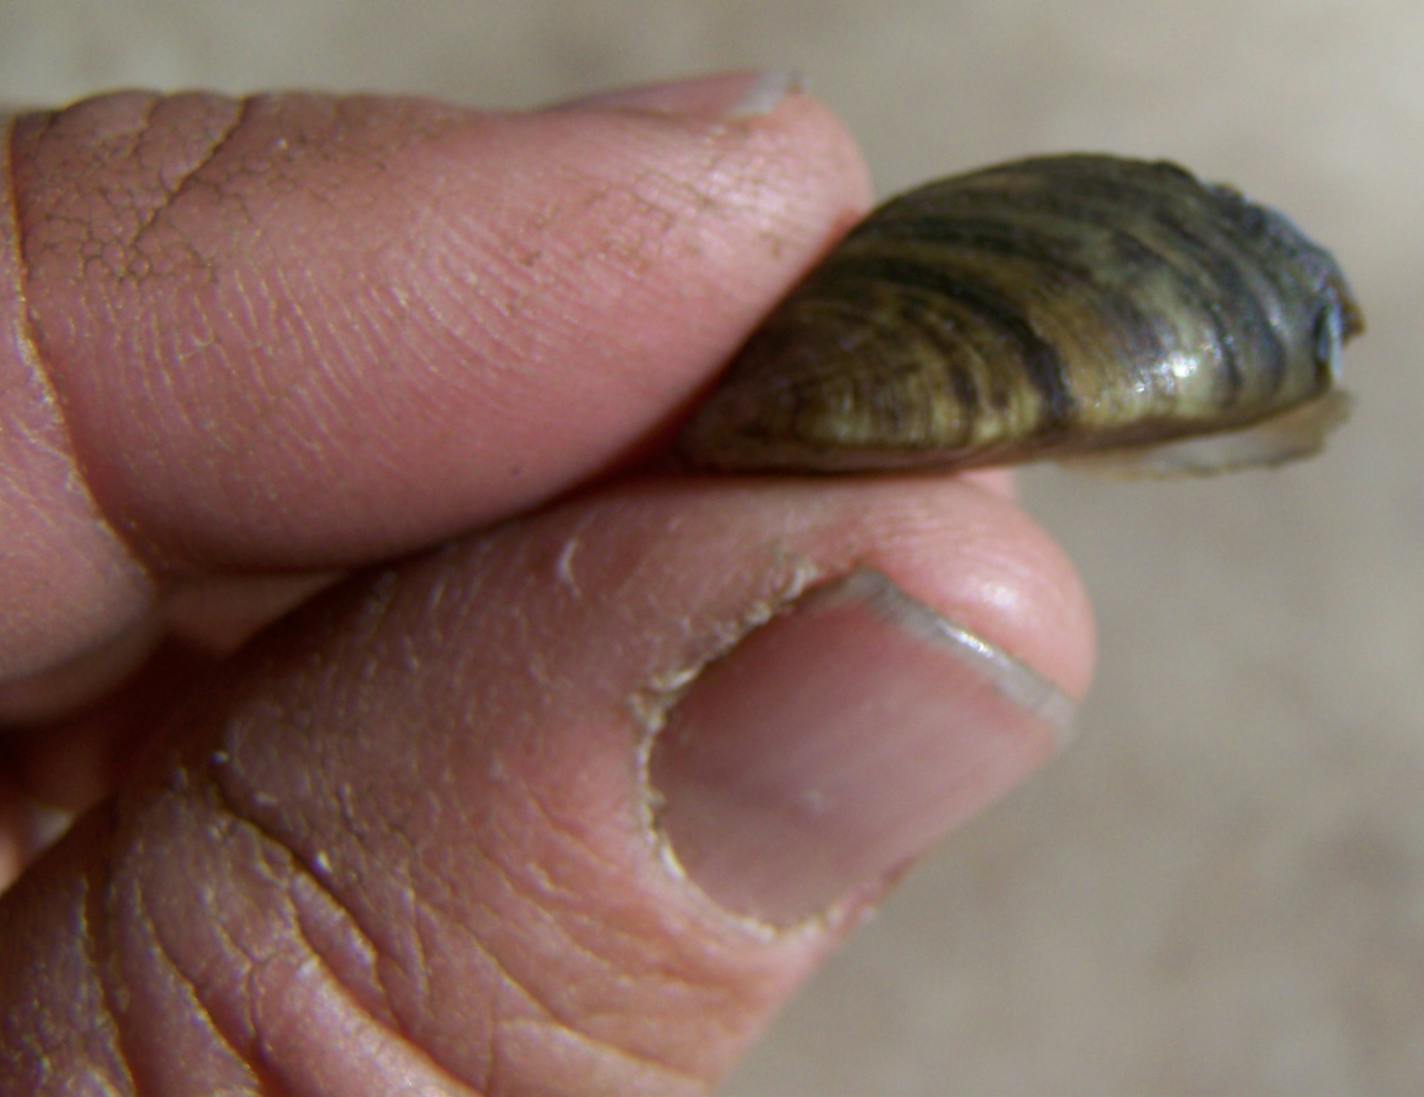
[[95, 884], [199, 1010], [32, 358], [300, 865], [190, 177]]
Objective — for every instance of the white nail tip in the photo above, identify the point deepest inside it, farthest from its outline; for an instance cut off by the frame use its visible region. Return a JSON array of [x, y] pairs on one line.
[[764, 95], [1015, 680]]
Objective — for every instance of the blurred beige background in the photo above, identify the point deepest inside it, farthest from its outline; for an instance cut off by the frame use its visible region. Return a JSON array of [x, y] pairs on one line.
[[1221, 889]]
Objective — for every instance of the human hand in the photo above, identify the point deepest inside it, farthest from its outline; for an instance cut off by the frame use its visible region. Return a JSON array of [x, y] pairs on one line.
[[413, 836]]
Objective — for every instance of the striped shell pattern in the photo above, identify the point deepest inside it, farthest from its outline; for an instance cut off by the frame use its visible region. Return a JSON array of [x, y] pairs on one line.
[[1044, 308]]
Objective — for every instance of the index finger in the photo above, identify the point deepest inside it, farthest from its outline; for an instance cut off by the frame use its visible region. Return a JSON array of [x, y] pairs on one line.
[[303, 331]]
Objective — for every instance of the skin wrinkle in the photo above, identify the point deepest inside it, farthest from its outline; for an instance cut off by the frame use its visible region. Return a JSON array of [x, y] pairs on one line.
[[571, 918], [417, 967], [334, 981], [506, 980], [93, 915], [251, 965], [520, 987], [561, 923], [566, 834], [489, 1009], [657, 977], [301, 867], [198, 1012], [131, 264], [553, 922], [228, 803], [160, 952], [546, 1014], [368, 949], [622, 1054], [401, 1029]]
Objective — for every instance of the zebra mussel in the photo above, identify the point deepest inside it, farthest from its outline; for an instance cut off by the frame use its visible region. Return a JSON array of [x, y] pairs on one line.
[[1053, 307]]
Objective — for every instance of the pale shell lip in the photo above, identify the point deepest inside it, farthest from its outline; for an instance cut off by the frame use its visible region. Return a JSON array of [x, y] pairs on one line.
[[1042, 308]]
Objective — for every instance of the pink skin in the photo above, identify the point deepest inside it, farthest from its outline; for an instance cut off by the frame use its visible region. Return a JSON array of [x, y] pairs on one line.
[[399, 836]]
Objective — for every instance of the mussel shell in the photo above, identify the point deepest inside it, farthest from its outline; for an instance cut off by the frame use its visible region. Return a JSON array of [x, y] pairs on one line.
[[1043, 307]]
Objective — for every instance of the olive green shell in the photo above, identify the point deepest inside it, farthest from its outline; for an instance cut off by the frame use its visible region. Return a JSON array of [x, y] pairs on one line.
[[1045, 307]]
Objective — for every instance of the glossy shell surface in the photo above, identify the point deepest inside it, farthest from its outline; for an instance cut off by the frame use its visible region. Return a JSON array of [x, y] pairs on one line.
[[1040, 308]]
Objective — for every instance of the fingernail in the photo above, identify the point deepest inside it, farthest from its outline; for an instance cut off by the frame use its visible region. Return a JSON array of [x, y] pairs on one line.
[[801, 772], [730, 95]]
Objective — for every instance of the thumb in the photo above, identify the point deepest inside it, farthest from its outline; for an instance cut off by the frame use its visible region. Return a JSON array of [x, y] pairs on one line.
[[568, 808]]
